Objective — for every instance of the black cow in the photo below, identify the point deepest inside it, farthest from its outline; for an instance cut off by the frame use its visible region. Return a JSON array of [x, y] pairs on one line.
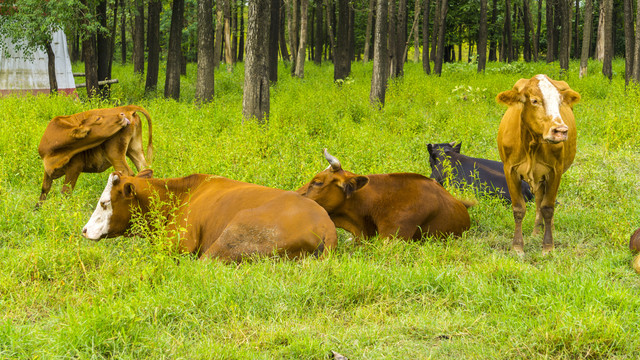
[[482, 174]]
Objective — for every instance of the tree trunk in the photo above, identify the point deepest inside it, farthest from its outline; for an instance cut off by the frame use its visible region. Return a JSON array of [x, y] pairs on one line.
[[380, 56], [75, 46], [205, 79], [90, 57], [319, 34], [174, 54], [294, 32], [492, 39], [284, 52], [636, 63], [442, 24], [51, 68], [138, 38], [526, 51], [352, 35], [434, 33], [608, 37], [557, 23], [274, 30], [332, 48], [241, 41], [342, 63], [217, 47], [586, 37], [576, 43], [629, 40], [234, 30], [153, 42], [112, 38], [123, 34], [302, 49], [402, 37], [536, 39], [507, 32], [367, 33], [482, 37], [103, 49], [228, 57], [565, 35], [392, 39], [255, 97], [426, 66], [550, 32], [416, 34]]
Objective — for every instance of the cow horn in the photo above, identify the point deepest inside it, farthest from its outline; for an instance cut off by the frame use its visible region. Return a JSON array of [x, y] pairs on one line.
[[335, 163]]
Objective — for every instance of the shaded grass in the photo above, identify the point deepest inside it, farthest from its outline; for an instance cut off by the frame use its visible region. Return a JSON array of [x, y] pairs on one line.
[[62, 296]]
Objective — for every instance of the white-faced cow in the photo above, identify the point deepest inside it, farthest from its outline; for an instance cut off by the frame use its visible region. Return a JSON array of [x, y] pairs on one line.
[[92, 142], [405, 205], [217, 217], [537, 143]]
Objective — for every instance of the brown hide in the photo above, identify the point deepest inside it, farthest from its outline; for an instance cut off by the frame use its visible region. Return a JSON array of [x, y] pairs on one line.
[[93, 141], [405, 205], [226, 219], [537, 143]]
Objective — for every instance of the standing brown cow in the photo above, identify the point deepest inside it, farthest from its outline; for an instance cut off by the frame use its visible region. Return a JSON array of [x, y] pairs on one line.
[[91, 142], [537, 143], [405, 205]]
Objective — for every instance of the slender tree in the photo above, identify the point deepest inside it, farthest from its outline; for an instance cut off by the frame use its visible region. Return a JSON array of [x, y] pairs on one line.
[[392, 39], [255, 97], [442, 24], [294, 32], [234, 30], [401, 34], [426, 66], [123, 33], [526, 16], [138, 38], [217, 46], [508, 49], [319, 33], [482, 37], [380, 56], [367, 33], [565, 35], [330, 28], [341, 60], [302, 46], [153, 42], [434, 33], [629, 41], [228, 54], [205, 78], [636, 63], [103, 50], [174, 56], [536, 39], [241, 41], [274, 30], [550, 32], [493, 45], [586, 37], [576, 23], [89, 55], [608, 39], [284, 52]]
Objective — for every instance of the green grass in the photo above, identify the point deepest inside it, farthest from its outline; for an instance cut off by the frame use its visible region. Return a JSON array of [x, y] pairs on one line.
[[62, 296]]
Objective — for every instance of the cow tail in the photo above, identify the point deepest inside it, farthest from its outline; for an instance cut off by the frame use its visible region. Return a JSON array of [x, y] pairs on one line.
[[468, 203], [150, 143]]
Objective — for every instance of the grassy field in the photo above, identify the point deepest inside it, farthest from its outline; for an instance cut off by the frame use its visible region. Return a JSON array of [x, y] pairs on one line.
[[62, 296]]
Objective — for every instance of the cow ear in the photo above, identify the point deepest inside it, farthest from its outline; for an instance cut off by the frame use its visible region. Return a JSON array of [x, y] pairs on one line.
[[129, 190], [457, 147], [145, 174], [430, 148], [570, 97], [510, 97], [80, 132], [354, 184]]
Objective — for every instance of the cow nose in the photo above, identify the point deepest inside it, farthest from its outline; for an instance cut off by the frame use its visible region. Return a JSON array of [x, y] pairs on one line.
[[561, 130], [84, 232]]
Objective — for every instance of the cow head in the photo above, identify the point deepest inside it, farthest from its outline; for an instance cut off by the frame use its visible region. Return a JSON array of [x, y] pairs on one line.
[[331, 187], [542, 100], [438, 154], [113, 212]]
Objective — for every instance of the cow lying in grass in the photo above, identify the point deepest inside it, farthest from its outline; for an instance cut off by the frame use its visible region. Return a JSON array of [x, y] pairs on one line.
[[484, 175], [215, 217], [92, 142], [405, 205]]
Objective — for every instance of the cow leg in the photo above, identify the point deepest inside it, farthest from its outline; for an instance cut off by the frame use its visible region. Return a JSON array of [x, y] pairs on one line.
[[71, 174], [136, 155], [547, 209], [115, 150], [46, 187], [538, 225], [519, 209]]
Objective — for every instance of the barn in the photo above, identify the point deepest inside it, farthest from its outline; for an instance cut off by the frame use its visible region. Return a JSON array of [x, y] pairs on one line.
[[20, 74]]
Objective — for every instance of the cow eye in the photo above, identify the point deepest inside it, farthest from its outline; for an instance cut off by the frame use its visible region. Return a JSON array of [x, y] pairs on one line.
[[317, 183], [534, 101]]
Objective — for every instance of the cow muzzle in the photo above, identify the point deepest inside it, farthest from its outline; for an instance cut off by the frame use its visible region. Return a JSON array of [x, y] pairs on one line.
[[557, 134]]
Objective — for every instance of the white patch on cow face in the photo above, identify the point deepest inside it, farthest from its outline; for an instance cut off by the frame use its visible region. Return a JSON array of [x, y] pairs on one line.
[[552, 98], [98, 225]]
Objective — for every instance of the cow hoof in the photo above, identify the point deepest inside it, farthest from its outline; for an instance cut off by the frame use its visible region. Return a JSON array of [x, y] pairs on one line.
[[518, 250], [547, 250], [636, 264]]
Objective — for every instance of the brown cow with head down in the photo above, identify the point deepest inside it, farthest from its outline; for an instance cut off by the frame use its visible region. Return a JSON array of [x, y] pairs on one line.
[[215, 217], [405, 205], [92, 141], [537, 143]]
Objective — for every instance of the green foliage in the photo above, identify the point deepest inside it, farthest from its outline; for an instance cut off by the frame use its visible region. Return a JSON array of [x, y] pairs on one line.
[[62, 296]]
